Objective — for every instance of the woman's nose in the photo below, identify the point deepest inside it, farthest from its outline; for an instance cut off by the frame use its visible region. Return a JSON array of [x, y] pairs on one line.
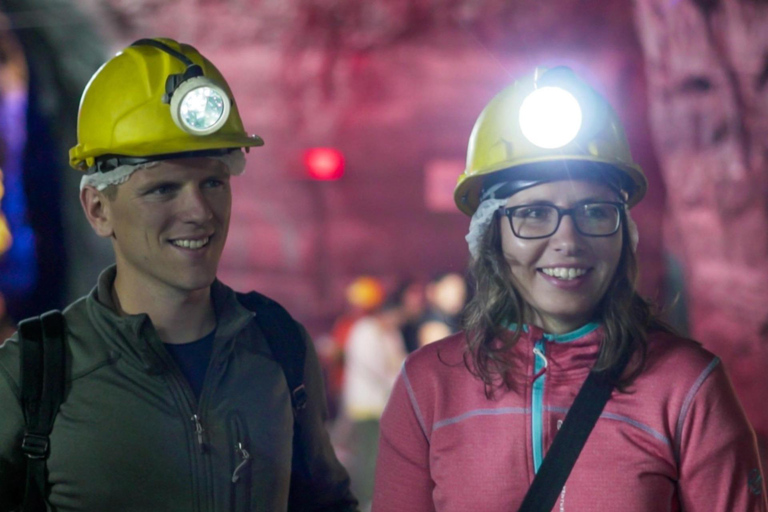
[[567, 238]]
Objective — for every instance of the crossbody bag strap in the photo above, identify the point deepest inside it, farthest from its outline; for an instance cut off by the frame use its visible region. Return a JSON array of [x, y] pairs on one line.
[[570, 439], [42, 392]]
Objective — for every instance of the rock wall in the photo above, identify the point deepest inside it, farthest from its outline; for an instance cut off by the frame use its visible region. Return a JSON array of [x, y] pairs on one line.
[[707, 73]]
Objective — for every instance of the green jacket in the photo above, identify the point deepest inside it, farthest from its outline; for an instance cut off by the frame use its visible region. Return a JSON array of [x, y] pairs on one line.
[[131, 436]]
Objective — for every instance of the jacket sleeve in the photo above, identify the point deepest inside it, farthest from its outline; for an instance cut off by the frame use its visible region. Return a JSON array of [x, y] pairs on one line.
[[326, 487], [403, 482], [12, 465], [720, 469]]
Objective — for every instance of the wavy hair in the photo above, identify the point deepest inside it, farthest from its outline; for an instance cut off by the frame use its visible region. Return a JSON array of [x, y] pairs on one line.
[[625, 315]]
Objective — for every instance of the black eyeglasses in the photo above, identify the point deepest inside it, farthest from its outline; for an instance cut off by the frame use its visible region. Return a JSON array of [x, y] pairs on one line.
[[531, 221]]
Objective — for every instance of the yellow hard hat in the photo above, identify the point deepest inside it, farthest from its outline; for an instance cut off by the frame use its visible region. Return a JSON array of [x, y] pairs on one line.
[[156, 99], [546, 126], [365, 292]]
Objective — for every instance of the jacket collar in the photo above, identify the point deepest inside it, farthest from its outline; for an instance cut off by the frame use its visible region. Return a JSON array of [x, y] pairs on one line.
[[569, 355], [139, 333]]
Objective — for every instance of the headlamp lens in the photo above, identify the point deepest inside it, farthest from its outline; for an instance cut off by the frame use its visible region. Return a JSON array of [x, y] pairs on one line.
[[550, 117], [201, 108]]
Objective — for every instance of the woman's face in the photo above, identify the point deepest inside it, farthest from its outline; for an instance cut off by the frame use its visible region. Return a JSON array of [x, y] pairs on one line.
[[563, 277]]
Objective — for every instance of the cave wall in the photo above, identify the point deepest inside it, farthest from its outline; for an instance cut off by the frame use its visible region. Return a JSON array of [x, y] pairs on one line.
[[707, 75]]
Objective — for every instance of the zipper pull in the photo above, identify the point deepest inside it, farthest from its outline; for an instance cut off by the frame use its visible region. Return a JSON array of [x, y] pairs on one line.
[[540, 354], [245, 456], [198, 429]]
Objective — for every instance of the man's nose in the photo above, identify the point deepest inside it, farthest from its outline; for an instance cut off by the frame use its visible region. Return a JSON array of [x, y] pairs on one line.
[[195, 206]]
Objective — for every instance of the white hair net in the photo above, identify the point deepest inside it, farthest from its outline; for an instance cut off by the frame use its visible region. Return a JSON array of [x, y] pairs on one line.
[[482, 218], [234, 160]]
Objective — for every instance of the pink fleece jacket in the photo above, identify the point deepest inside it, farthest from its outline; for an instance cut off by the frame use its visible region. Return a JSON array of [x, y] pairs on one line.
[[678, 441]]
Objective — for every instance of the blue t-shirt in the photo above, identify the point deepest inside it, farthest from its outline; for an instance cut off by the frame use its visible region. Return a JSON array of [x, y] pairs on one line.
[[193, 359]]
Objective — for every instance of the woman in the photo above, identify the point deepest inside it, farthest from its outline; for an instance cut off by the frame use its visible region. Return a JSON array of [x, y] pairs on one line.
[[549, 184]]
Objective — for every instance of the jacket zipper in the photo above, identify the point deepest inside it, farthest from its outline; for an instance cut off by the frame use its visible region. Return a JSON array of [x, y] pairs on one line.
[[241, 460], [199, 430], [245, 459], [537, 402], [562, 493]]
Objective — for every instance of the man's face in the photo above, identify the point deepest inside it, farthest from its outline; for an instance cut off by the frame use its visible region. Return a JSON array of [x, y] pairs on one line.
[[169, 224]]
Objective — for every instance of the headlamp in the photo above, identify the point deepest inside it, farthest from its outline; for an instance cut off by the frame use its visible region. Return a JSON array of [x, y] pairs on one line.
[[199, 105], [550, 117]]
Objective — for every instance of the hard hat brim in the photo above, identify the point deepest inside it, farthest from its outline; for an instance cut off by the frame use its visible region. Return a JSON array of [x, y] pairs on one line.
[[468, 191], [81, 158]]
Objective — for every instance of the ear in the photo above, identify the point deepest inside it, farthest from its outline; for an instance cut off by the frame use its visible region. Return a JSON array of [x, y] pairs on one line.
[[97, 211]]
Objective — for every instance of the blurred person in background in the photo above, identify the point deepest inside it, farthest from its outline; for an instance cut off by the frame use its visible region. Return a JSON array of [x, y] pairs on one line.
[[446, 295], [471, 421], [174, 396], [374, 353], [363, 296], [414, 303]]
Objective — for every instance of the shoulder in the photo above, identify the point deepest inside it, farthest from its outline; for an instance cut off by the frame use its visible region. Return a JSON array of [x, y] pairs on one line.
[[442, 360], [677, 357], [9, 362]]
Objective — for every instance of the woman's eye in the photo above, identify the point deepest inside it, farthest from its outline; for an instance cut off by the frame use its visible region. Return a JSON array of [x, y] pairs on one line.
[[596, 211], [533, 212]]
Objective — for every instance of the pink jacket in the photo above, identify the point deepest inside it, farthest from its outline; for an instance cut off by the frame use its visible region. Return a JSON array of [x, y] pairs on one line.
[[678, 441]]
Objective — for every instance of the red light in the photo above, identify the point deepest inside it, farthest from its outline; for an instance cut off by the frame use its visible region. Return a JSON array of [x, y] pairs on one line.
[[324, 163]]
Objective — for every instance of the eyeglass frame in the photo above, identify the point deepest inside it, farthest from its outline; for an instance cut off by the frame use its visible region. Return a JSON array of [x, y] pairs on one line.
[[507, 212]]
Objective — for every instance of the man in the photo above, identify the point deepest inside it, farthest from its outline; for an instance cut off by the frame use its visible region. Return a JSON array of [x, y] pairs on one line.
[[174, 399]]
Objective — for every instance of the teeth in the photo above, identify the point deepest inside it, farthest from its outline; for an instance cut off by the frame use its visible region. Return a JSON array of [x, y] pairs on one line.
[[565, 273], [191, 244]]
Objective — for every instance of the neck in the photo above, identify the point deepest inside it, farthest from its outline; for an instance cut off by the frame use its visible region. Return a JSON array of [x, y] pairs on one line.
[[178, 316]]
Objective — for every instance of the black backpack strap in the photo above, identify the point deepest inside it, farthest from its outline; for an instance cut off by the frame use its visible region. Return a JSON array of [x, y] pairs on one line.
[[289, 349], [42, 391], [285, 341], [570, 439]]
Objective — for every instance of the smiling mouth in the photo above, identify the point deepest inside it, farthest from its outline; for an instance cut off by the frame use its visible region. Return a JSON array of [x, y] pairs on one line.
[[565, 274], [191, 244]]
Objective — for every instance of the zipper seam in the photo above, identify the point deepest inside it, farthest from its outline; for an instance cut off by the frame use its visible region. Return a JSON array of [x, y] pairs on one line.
[[537, 409]]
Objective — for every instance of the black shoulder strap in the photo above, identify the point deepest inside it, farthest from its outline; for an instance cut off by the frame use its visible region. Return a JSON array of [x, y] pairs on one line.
[[289, 349], [42, 390], [284, 340], [570, 439]]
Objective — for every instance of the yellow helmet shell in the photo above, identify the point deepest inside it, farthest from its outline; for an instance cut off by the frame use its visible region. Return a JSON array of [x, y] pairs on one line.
[[498, 150], [122, 111]]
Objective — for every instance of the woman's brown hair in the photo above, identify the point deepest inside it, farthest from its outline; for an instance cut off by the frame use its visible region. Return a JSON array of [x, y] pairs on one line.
[[625, 315]]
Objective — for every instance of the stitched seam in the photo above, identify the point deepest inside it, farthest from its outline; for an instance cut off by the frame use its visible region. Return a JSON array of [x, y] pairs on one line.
[[636, 424], [620, 417], [687, 403], [414, 404], [480, 412], [107, 362]]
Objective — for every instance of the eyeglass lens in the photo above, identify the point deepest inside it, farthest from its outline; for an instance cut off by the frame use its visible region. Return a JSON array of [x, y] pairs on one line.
[[538, 221]]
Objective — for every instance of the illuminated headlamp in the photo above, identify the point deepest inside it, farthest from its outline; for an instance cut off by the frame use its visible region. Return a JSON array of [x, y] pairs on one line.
[[199, 105], [550, 117]]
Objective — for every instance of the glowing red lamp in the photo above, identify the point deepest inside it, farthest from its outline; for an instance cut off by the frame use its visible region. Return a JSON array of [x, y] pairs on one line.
[[324, 163]]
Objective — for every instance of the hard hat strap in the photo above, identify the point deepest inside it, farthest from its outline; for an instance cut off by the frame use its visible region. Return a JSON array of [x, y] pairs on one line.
[[108, 163], [173, 81]]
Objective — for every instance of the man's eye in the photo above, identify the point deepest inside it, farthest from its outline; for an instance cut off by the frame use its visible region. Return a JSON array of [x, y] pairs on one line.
[[214, 183], [162, 190]]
